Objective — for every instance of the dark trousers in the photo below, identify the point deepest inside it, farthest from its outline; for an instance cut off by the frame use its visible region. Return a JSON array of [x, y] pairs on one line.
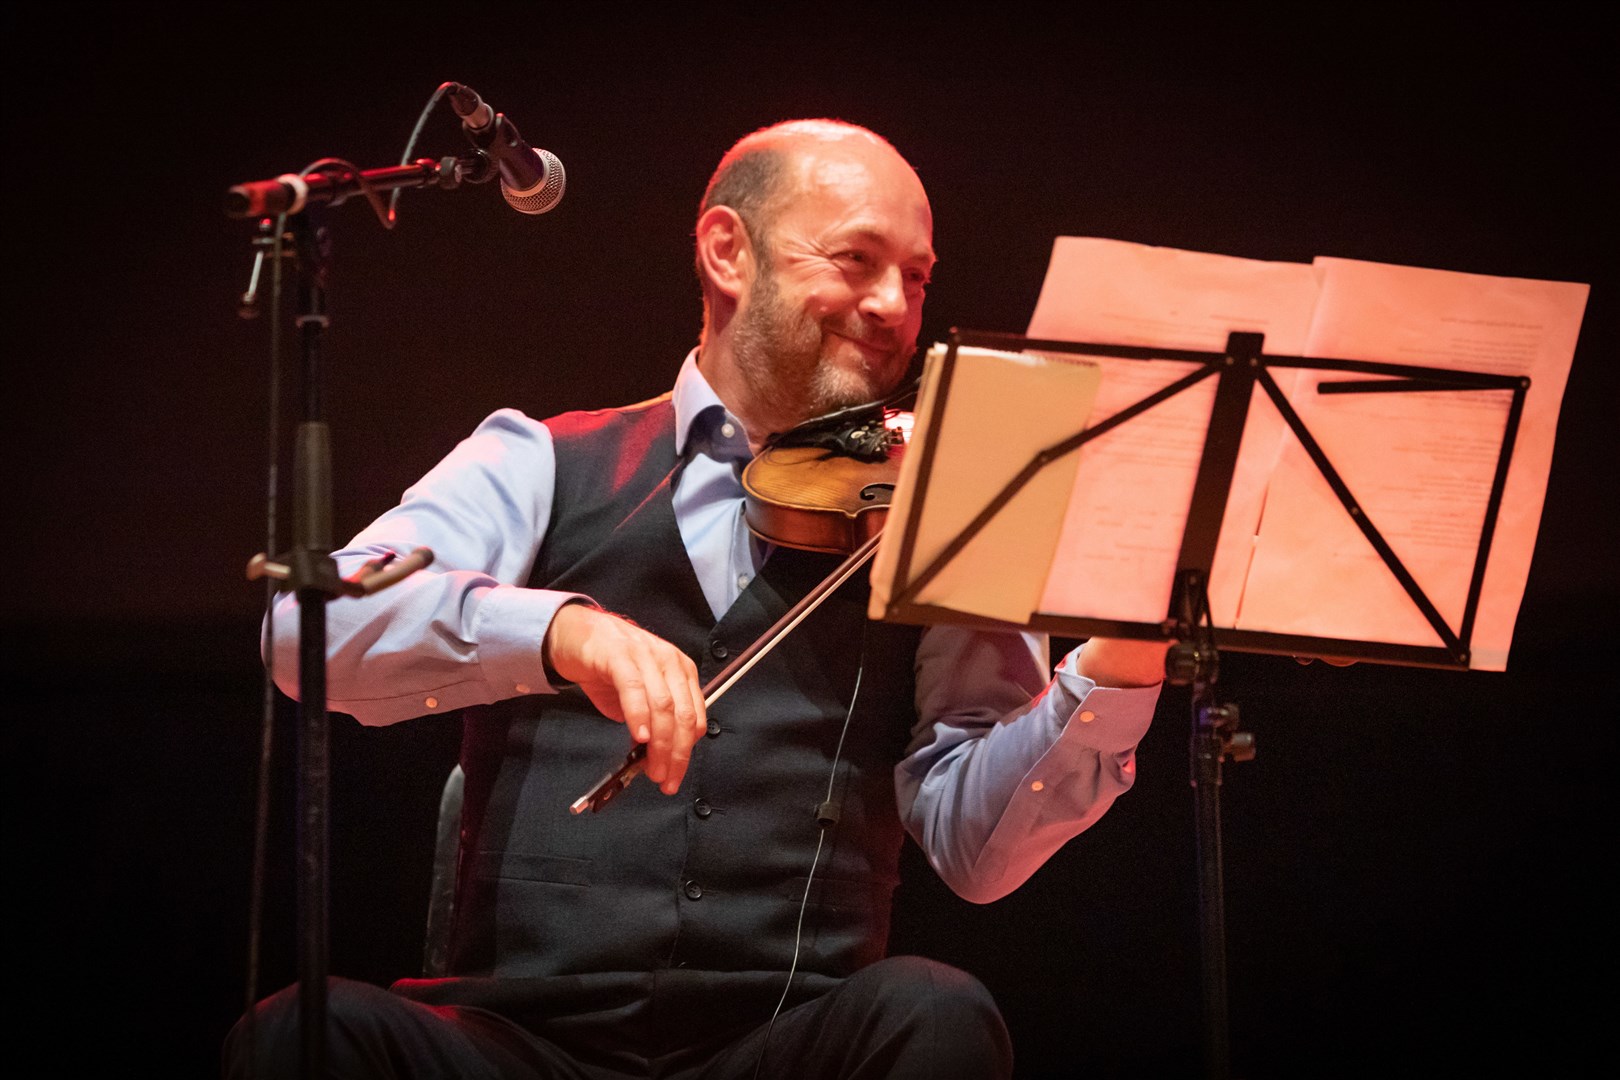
[[904, 1018]]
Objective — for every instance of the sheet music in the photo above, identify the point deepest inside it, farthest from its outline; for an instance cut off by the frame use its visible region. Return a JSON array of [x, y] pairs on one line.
[[1290, 559], [1122, 532], [1420, 464]]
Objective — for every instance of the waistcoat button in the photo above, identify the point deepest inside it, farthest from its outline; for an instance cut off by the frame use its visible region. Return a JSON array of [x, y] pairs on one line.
[[692, 890], [714, 728], [702, 808], [718, 650]]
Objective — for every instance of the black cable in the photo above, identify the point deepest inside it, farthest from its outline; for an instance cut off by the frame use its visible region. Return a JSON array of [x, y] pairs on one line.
[[388, 216], [410, 146], [385, 217]]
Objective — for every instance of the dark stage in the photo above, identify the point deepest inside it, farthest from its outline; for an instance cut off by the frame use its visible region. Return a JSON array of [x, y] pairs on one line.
[[1414, 861]]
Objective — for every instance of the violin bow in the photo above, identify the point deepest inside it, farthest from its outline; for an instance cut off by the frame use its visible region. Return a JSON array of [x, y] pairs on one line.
[[635, 761]]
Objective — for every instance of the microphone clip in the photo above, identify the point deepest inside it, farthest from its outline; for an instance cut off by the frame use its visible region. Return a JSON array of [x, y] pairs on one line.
[[496, 142]]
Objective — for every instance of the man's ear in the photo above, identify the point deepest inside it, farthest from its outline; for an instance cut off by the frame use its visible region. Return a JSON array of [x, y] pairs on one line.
[[724, 250]]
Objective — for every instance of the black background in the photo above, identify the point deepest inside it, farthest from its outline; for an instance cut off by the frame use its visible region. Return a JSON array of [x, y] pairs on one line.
[[1417, 862]]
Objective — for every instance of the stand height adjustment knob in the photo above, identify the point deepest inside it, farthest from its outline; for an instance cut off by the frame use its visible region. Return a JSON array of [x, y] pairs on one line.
[[1187, 662], [1220, 722]]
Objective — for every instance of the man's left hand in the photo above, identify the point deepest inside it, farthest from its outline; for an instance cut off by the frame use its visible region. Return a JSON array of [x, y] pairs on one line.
[[1122, 663]]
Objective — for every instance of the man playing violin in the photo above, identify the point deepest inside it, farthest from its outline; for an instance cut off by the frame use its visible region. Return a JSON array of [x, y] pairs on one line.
[[594, 570]]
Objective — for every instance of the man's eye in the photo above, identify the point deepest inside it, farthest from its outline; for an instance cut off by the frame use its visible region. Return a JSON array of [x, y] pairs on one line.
[[860, 258]]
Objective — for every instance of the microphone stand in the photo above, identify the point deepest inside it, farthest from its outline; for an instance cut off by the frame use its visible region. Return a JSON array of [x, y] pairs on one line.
[[311, 574], [314, 582], [308, 569]]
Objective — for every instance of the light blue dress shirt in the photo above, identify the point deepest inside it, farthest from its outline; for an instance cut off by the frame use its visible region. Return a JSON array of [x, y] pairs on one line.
[[1003, 767]]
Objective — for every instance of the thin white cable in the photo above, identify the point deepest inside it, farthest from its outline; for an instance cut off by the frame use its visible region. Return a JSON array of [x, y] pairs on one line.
[[809, 881]]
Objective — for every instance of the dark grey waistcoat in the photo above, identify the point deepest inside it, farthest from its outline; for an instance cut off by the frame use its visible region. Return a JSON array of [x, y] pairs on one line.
[[661, 910]]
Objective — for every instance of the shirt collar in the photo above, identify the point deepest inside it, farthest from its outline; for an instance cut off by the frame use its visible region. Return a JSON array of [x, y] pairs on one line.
[[701, 417]]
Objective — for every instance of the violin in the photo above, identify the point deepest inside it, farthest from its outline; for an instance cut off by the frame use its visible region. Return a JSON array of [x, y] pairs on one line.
[[824, 486]]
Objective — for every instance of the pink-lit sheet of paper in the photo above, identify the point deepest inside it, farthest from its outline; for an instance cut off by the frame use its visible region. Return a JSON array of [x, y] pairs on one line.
[[1122, 531], [1420, 464]]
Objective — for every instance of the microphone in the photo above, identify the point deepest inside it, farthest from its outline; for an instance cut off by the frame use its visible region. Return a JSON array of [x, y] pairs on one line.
[[532, 180]]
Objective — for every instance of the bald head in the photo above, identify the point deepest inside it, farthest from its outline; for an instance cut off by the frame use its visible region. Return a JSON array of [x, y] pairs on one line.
[[767, 167], [814, 244]]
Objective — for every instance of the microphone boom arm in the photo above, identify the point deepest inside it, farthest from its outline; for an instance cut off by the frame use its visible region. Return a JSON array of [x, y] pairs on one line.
[[290, 193]]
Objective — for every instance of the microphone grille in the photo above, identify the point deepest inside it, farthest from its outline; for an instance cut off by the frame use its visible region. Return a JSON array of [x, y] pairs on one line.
[[546, 194]]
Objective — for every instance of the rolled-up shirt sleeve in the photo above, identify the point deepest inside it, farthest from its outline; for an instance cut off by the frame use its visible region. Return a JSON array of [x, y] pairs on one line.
[[464, 631], [1004, 766]]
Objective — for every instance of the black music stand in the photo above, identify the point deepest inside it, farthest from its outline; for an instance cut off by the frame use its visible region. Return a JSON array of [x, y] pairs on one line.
[[1194, 660]]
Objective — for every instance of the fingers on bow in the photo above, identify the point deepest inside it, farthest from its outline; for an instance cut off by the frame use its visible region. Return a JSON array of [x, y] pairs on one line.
[[662, 705]]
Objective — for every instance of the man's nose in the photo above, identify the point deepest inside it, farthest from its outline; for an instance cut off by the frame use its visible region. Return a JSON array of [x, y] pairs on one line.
[[885, 300]]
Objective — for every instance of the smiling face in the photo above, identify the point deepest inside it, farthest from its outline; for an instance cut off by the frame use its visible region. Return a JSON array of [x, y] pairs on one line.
[[830, 313]]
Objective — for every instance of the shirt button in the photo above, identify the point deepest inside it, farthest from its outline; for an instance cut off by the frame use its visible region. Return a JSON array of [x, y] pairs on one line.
[[728, 429], [692, 890], [432, 703], [718, 650], [522, 688], [1087, 716], [742, 581], [701, 808], [714, 728]]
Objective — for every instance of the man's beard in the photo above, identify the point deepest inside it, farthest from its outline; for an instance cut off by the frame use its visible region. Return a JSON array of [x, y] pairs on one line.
[[778, 352]]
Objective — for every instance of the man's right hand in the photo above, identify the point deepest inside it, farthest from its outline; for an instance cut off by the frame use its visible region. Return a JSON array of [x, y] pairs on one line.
[[636, 678]]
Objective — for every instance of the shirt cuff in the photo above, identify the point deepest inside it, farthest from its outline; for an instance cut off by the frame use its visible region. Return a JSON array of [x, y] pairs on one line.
[[1101, 717], [510, 627]]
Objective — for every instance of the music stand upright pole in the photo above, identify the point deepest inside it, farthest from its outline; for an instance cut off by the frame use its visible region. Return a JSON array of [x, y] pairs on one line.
[[1194, 661], [1206, 780]]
